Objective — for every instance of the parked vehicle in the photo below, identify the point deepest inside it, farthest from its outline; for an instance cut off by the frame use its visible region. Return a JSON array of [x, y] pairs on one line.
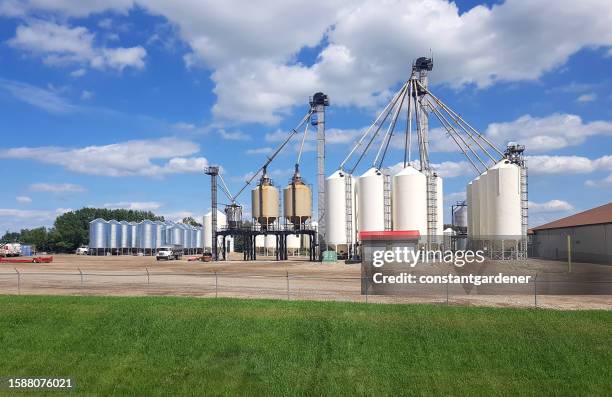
[[169, 252], [82, 251], [10, 249]]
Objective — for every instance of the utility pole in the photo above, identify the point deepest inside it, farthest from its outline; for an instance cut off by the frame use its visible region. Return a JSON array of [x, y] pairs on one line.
[[213, 171], [318, 102]]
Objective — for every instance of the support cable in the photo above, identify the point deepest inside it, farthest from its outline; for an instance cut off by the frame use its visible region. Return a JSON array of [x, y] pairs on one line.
[[365, 150], [269, 160], [367, 132], [451, 133], [389, 133]]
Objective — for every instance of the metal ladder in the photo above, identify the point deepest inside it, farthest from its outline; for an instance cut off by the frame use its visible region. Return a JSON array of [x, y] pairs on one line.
[[522, 254], [432, 207], [348, 195], [387, 199]]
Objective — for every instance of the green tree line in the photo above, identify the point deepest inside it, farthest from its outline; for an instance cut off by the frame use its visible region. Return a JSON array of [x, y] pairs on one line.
[[71, 229]]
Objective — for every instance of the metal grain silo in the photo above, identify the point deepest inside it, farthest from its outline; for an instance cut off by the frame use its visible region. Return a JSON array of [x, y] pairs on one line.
[[133, 235], [146, 235], [98, 234], [199, 238], [335, 204], [126, 235], [265, 202], [177, 235], [410, 200], [297, 201], [160, 233], [371, 205], [114, 234]]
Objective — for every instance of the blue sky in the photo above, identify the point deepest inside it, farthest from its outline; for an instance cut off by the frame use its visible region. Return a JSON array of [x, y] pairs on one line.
[[121, 103]]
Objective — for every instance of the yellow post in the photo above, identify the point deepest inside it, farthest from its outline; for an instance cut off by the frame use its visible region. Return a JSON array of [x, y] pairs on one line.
[[569, 254]]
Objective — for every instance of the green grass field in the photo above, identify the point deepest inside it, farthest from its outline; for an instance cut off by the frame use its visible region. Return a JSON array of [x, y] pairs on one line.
[[184, 346]]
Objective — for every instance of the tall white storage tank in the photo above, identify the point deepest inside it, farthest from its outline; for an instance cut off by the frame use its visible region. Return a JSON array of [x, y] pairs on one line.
[[483, 213], [470, 210], [126, 235], [440, 206], [505, 200], [475, 207], [114, 234], [335, 204], [370, 201], [98, 234], [410, 200]]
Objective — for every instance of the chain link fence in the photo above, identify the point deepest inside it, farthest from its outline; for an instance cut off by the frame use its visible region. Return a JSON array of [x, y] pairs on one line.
[[289, 286]]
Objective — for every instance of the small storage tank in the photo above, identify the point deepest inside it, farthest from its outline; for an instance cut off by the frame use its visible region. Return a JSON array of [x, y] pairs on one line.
[[335, 205], [126, 235], [370, 201], [504, 200], [114, 234], [297, 201], [410, 200], [460, 217], [260, 241], [265, 202], [133, 235], [233, 214], [98, 234], [293, 242], [270, 243], [146, 235], [207, 222]]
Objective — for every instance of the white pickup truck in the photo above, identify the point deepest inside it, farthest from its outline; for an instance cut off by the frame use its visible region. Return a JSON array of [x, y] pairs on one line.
[[169, 252]]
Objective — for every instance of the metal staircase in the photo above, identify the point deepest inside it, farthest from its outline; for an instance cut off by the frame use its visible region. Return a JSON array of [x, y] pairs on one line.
[[432, 207], [348, 194], [522, 254]]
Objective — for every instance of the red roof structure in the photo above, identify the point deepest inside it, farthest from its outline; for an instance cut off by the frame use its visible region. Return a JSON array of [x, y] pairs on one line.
[[594, 216]]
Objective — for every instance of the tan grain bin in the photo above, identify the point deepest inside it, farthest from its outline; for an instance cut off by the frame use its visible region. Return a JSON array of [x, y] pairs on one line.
[[264, 203], [300, 194]]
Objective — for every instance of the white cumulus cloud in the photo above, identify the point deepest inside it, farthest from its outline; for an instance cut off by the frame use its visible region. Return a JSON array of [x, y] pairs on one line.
[[56, 188], [130, 158], [64, 45]]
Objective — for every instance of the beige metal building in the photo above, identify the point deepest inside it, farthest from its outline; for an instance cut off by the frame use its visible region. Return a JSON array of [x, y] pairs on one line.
[[590, 234]]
